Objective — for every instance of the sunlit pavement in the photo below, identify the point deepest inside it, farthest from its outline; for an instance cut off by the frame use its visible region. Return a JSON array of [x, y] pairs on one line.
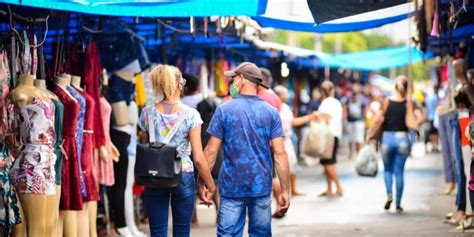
[[360, 211]]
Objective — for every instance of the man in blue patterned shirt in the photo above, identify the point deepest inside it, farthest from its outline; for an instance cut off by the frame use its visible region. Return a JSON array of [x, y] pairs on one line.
[[246, 126]]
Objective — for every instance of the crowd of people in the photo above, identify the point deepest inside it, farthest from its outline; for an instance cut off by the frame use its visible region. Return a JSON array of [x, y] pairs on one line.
[[238, 150]]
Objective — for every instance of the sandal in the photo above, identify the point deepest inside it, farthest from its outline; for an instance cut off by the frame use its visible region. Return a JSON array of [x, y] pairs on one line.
[[325, 194]]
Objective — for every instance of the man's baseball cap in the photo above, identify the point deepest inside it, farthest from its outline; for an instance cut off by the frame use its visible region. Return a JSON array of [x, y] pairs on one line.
[[250, 72]]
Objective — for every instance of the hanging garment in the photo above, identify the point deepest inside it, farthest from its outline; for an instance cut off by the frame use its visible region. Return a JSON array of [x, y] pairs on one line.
[[88, 150], [26, 60], [33, 169], [3, 111], [92, 72], [80, 132], [140, 98], [105, 170], [9, 208], [71, 198], [58, 149]]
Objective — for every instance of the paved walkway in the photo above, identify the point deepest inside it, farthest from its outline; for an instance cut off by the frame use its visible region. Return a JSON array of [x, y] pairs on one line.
[[360, 212]]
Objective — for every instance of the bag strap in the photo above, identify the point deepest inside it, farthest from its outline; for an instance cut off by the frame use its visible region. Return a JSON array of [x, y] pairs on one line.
[[151, 125]]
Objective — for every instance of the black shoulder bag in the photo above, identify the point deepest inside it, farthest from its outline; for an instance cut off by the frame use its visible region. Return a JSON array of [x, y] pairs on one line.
[[158, 164]]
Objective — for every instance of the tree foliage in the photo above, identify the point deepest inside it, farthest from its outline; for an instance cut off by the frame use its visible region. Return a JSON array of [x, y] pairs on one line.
[[353, 42]]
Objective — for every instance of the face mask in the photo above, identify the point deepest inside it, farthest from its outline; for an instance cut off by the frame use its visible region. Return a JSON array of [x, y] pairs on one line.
[[234, 90]]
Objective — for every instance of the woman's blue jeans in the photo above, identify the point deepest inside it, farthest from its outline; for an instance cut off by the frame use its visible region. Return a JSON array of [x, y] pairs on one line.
[[396, 147], [459, 164], [157, 202]]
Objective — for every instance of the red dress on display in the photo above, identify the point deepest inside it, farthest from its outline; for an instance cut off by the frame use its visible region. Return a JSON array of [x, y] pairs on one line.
[[92, 71], [88, 149], [71, 196]]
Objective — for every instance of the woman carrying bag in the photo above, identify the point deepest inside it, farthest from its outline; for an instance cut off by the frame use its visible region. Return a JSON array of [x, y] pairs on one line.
[[178, 126], [392, 125], [330, 111]]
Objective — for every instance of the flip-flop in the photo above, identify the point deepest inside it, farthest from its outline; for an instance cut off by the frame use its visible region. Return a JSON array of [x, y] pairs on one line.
[[325, 194]]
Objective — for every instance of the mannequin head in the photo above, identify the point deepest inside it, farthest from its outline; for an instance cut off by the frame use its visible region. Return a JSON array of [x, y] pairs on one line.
[[401, 86], [167, 80], [282, 92]]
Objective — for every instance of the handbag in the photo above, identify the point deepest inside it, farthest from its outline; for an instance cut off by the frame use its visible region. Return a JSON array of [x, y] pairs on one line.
[[158, 164], [376, 130], [319, 142]]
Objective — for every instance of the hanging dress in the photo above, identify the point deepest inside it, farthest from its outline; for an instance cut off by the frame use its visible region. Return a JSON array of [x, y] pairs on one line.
[[71, 197], [58, 127], [105, 170], [88, 150], [9, 208], [80, 133]]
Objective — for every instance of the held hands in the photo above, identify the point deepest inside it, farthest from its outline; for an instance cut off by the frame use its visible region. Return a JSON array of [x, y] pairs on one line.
[[314, 116], [206, 193]]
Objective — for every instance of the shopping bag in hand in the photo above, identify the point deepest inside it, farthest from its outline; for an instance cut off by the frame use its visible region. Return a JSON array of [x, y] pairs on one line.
[[319, 142], [367, 161]]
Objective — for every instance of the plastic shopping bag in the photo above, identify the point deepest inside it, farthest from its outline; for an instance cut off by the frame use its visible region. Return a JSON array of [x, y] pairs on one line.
[[319, 143], [367, 161]]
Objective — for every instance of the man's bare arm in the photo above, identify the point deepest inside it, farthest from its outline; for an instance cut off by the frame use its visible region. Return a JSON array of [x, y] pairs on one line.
[[211, 150]]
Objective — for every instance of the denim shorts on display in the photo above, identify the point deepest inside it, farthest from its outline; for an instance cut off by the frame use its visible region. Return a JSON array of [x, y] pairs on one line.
[[120, 90], [119, 50]]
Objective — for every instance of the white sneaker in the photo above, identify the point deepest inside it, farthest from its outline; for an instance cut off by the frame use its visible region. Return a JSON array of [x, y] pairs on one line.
[[124, 232]]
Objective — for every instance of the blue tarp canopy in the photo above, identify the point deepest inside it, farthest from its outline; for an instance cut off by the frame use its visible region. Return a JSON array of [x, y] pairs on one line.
[[371, 60], [327, 27], [152, 8], [299, 18]]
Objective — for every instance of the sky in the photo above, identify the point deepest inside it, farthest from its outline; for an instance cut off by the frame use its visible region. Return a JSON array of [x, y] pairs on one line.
[[298, 10]]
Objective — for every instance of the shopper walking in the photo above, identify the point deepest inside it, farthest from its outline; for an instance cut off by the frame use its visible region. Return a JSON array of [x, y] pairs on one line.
[[289, 121], [165, 115], [245, 126], [330, 111], [396, 142], [355, 110]]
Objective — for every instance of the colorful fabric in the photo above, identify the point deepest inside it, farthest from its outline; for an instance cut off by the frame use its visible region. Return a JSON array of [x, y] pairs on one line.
[[92, 72], [165, 122], [104, 170], [33, 171], [80, 136], [9, 208], [92, 192], [140, 97], [71, 198], [246, 125], [58, 127]]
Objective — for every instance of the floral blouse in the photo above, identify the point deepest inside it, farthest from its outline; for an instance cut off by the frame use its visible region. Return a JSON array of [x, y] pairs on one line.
[[165, 122]]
